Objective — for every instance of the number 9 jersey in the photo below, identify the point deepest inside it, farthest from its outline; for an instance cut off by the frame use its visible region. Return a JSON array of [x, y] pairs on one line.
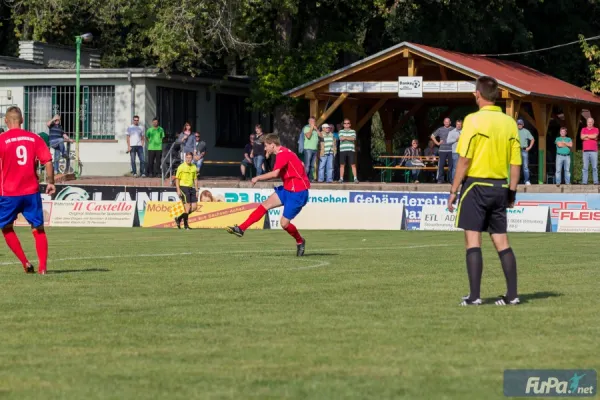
[[19, 152]]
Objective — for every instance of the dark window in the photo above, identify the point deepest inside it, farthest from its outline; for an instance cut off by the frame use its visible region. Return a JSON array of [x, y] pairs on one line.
[[175, 107], [234, 121]]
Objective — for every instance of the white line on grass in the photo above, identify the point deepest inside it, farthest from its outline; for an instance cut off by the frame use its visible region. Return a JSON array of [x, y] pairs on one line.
[[227, 252]]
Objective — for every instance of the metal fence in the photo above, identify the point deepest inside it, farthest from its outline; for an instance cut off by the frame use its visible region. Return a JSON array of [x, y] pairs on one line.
[[97, 109]]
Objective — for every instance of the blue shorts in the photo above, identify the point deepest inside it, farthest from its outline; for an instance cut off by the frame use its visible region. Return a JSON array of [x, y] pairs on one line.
[[292, 201], [30, 206]]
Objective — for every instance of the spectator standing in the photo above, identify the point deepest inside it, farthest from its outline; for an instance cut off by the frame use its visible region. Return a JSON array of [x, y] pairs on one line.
[[154, 136], [526, 139], [187, 140], [258, 150], [326, 154], [413, 151], [311, 143], [445, 150], [347, 150], [589, 136], [57, 137], [247, 160], [563, 156], [453, 140], [199, 151], [135, 145]]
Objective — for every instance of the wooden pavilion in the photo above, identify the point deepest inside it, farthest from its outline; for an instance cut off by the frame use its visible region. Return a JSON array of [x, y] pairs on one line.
[[408, 79]]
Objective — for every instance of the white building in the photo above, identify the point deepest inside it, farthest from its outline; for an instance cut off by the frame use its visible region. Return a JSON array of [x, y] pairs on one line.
[[111, 97]]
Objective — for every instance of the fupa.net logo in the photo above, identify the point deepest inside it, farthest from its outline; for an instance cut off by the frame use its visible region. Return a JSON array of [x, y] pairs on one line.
[[554, 385], [550, 383]]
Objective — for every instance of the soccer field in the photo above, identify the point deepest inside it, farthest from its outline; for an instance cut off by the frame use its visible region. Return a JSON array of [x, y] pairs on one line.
[[144, 314]]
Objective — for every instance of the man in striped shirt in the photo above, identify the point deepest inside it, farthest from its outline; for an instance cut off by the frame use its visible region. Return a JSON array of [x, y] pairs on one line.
[[327, 153], [347, 149], [413, 152]]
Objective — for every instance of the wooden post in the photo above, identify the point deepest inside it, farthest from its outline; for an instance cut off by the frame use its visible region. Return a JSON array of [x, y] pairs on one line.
[[367, 117], [540, 114], [327, 113], [314, 108], [572, 124], [512, 108]]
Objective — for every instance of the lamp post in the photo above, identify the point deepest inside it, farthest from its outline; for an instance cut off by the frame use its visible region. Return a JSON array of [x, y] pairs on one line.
[[86, 37]]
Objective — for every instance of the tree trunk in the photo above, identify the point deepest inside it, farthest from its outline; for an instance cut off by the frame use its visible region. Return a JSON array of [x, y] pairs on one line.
[[287, 126]]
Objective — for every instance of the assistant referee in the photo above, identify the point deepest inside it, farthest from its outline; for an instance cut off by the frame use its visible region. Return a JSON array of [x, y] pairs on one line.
[[186, 181], [488, 147]]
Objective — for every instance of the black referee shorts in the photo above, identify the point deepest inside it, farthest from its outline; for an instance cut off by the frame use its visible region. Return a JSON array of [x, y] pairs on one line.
[[482, 205], [188, 194]]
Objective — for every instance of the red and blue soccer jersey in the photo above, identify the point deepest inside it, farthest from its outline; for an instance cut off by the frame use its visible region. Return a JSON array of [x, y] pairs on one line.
[[19, 189], [19, 151], [291, 171]]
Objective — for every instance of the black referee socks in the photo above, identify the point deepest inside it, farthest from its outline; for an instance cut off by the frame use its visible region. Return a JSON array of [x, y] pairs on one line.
[[509, 266], [474, 270]]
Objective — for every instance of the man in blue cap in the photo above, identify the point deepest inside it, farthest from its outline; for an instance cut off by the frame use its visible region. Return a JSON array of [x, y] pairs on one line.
[[524, 136]]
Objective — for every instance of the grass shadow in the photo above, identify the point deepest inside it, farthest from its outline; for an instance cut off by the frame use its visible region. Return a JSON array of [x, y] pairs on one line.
[[70, 271], [320, 254], [527, 297]]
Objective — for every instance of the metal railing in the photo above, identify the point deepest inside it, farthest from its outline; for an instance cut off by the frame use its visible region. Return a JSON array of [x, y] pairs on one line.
[[170, 162]]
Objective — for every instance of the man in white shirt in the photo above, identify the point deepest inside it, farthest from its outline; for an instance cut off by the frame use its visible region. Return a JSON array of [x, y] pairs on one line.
[[453, 140], [135, 145]]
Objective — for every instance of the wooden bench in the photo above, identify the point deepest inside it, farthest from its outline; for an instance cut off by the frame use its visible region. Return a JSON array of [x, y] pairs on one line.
[[389, 166]]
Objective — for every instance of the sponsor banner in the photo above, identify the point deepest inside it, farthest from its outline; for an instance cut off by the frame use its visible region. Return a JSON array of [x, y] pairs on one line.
[[520, 219], [437, 218], [208, 215], [98, 214], [578, 221], [351, 216], [233, 195], [413, 202], [559, 201]]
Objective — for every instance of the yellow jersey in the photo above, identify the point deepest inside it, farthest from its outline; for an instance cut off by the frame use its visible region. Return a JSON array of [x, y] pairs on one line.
[[490, 139], [186, 174]]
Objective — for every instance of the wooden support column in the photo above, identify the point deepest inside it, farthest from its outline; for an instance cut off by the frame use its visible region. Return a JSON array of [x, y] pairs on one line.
[[443, 73], [512, 108], [314, 107], [327, 113], [540, 114]]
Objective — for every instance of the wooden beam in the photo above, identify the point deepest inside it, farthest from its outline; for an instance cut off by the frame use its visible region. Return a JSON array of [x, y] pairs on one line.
[[350, 111], [540, 114], [310, 96], [406, 53], [332, 108], [370, 113], [314, 107], [548, 115], [571, 122], [443, 73], [412, 67], [527, 116], [512, 108]]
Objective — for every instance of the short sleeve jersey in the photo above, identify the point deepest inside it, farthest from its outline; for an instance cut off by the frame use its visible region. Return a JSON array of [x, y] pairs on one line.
[[490, 139], [19, 152], [186, 174], [347, 145], [291, 171]]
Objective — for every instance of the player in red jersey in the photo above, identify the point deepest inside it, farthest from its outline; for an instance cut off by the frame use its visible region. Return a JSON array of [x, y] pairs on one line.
[[19, 187], [293, 195]]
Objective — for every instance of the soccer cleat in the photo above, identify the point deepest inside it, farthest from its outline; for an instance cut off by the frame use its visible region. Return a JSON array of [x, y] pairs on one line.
[[355, 180], [29, 269], [503, 301], [178, 222], [300, 247], [235, 230], [187, 228], [468, 302], [42, 272]]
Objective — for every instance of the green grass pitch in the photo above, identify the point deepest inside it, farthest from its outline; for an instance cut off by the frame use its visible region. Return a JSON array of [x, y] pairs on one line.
[[167, 314]]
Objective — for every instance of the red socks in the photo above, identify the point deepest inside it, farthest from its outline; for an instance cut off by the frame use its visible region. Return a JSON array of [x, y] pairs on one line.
[[41, 246], [291, 229], [254, 217], [13, 243]]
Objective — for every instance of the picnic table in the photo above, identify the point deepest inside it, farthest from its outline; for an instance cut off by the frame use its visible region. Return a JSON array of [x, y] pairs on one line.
[[391, 165]]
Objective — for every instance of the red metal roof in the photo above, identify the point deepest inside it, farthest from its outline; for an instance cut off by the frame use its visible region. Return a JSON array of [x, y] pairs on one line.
[[511, 75]]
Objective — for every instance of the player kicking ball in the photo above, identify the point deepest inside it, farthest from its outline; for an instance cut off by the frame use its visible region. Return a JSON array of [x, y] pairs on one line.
[[293, 195], [19, 188]]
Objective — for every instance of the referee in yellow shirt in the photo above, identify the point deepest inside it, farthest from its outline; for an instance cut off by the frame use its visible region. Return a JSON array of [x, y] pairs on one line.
[[186, 181], [488, 147]]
